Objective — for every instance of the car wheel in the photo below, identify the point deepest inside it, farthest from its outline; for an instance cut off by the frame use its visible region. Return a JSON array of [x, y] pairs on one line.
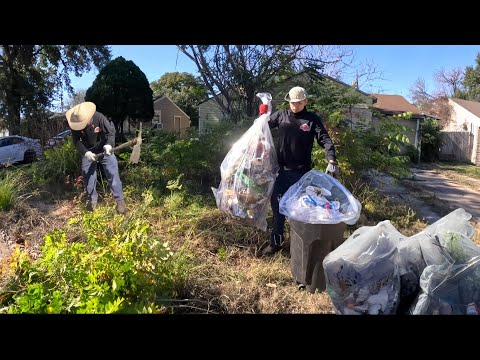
[[30, 156]]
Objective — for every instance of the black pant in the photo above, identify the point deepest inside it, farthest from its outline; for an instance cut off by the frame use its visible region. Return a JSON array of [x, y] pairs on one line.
[[285, 179]]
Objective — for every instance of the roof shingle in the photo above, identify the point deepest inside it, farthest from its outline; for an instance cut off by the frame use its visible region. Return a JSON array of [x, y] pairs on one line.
[[394, 104], [472, 106]]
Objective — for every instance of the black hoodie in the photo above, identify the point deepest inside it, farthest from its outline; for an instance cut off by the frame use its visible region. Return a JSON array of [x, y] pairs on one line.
[[296, 135]]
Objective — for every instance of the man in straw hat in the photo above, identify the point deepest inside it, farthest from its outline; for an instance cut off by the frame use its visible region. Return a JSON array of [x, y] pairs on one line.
[[92, 134], [298, 128]]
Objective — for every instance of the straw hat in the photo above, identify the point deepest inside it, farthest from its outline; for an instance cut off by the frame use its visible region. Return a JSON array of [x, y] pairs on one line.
[[295, 94], [79, 116]]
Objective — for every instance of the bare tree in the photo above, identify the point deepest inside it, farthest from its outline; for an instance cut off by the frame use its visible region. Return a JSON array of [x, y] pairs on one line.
[[335, 58], [367, 72], [431, 104], [420, 95], [449, 82], [239, 71], [441, 109], [77, 98], [341, 62]]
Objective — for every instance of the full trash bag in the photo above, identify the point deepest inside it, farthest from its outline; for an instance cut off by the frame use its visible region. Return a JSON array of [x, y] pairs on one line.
[[319, 198], [248, 173], [362, 274], [450, 283], [417, 252]]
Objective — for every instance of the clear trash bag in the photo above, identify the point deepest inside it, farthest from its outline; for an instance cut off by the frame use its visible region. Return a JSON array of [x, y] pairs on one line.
[[450, 283], [319, 198], [417, 252], [248, 173], [362, 274]]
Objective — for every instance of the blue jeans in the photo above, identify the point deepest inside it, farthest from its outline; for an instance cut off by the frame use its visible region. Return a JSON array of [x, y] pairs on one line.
[[285, 179], [110, 166]]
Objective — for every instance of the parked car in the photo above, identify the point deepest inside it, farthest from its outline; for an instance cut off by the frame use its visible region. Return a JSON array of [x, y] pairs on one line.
[[16, 148], [59, 138]]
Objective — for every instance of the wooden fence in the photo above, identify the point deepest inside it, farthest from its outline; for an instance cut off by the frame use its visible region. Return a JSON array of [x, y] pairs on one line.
[[456, 146]]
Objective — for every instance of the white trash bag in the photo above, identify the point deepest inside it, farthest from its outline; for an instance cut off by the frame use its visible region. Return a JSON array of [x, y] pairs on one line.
[[318, 198], [248, 173]]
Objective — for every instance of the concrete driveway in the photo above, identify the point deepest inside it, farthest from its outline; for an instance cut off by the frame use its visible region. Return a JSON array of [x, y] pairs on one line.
[[452, 193], [431, 194]]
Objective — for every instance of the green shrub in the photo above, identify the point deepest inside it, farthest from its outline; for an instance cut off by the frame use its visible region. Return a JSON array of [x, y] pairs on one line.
[[62, 165], [117, 268]]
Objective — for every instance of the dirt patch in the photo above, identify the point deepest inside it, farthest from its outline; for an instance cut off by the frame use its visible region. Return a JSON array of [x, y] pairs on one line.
[[28, 222]]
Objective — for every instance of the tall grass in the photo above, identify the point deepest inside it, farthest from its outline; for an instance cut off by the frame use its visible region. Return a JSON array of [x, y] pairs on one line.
[[12, 185]]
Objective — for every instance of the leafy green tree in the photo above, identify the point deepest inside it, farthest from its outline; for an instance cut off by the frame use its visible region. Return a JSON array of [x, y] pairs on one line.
[[471, 80], [121, 91], [32, 76], [184, 89]]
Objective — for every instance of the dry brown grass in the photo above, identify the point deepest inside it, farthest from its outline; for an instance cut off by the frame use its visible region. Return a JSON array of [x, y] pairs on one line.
[[227, 275]]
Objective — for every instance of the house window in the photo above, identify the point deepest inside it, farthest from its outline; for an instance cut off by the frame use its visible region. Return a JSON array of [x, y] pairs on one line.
[[157, 118], [176, 123]]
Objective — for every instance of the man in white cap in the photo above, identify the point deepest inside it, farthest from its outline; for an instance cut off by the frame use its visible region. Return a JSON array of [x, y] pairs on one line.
[[298, 128], [92, 133]]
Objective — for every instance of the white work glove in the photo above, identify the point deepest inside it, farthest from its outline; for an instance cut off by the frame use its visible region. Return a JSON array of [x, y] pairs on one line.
[[108, 149], [90, 156], [333, 169]]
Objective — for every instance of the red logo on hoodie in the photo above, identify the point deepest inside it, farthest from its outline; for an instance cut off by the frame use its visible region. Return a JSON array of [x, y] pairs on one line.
[[97, 129], [305, 127]]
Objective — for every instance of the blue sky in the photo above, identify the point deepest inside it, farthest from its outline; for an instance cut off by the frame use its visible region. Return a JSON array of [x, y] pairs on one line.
[[401, 64]]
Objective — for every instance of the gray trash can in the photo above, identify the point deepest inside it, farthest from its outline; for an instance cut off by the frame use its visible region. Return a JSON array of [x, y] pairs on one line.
[[309, 244]]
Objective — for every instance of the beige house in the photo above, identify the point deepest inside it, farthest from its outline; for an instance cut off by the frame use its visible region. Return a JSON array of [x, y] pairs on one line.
[[460, 137], [210, 112], [169, 117], [390, 105]]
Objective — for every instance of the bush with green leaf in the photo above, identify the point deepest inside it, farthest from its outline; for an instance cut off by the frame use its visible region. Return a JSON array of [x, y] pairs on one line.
[[62, 165], [363, 148], [431, 139], [198, 158], [118, 267]]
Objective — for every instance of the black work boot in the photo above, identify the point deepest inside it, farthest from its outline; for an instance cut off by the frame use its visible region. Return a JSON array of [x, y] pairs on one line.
[[276, 244], [121, 209]]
